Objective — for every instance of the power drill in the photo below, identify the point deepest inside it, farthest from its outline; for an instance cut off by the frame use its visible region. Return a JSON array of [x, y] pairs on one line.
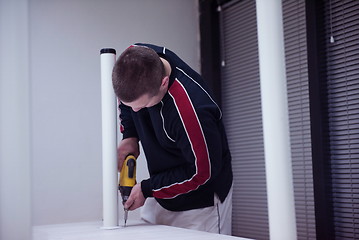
[[127, 180]]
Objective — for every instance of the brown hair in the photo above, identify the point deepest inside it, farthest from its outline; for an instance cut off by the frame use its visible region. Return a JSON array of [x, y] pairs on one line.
[[138, 71]]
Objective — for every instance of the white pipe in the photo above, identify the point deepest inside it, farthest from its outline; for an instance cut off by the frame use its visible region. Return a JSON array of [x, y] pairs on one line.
[[281, 211], [109, 141]]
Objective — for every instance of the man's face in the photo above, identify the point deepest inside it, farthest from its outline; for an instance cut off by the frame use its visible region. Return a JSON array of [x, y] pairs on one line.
[[143, 102]]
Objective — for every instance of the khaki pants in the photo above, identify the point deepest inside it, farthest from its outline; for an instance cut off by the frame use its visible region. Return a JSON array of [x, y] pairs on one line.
[[215, 219]]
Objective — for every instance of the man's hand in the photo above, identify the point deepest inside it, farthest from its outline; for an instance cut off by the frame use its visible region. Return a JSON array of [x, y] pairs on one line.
[[127, 146], [136, 198]]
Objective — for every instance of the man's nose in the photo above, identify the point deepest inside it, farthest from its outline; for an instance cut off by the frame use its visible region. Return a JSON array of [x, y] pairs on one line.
[[136, 109]]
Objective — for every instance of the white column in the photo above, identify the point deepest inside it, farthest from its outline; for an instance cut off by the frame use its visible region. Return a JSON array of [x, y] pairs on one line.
[[15, 128], [281, 211], [109, 141]]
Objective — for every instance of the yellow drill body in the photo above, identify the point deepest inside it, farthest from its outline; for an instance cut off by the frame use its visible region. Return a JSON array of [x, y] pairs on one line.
[[127, 180]]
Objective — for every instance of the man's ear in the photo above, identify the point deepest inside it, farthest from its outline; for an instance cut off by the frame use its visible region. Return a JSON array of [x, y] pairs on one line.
[[165, 81]]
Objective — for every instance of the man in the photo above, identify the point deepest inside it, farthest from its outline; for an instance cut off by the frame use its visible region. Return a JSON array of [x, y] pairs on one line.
[[167, 106]]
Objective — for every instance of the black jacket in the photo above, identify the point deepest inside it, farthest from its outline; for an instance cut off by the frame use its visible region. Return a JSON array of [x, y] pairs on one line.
[[184, 141]]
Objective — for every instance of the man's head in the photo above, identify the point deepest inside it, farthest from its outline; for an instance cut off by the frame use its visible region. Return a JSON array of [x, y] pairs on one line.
[[138, 71]]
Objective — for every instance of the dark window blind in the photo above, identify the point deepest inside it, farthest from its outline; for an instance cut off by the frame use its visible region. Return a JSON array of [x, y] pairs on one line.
[[342, 71], [294, 24], [241, 106]]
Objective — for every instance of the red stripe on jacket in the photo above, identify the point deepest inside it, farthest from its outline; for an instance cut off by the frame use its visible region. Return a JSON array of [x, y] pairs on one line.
[[198, 143]]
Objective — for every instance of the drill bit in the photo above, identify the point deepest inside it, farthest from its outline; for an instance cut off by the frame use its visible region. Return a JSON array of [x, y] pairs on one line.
[[125, 216]]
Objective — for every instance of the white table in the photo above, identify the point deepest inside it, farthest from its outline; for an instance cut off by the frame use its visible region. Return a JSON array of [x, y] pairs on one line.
[[135, 230]]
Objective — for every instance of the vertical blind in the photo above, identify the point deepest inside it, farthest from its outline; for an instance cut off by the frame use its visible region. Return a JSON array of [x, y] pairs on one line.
[[342, 71], [241, 105]]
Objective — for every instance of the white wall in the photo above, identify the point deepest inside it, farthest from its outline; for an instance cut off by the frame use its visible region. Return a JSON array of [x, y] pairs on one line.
[[15, 199], [65, 40]]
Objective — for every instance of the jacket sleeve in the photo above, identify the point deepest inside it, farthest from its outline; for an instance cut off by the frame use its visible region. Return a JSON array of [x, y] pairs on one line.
[[196, 134], [127, 126]]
